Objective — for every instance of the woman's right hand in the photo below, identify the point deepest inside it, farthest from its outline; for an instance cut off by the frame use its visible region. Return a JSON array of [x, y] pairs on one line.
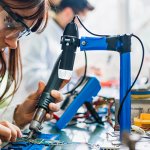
[[8, 132]]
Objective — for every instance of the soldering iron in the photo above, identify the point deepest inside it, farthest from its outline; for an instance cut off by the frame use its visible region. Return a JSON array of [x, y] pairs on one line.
[[61, 71]]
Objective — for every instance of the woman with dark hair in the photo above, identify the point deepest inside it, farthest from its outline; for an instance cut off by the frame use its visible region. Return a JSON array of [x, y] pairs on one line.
[[19, 18]]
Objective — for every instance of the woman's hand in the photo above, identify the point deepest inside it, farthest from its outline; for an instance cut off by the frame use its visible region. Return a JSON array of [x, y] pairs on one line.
[[9, 132], [24, 112]]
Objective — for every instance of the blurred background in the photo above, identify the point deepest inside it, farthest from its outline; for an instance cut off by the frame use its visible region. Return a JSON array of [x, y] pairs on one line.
[[119, 17]]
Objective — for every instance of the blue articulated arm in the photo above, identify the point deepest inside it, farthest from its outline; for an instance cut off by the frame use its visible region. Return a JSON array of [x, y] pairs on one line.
[[121, 44], [89, 90]]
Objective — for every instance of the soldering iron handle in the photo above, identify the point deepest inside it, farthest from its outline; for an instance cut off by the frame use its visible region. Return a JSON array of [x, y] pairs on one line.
[[54, 83], [45, 99]]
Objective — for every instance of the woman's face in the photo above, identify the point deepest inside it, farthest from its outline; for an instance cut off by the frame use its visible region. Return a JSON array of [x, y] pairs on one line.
[[10, 30]]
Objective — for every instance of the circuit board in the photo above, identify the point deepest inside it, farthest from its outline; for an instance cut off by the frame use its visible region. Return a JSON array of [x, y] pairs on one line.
[[43, 141]]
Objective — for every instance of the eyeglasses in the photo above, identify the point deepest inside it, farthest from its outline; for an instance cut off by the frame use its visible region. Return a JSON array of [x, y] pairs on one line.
[[13, 22]]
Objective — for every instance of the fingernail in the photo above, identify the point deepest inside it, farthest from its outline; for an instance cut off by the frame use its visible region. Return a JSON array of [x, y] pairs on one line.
[[40, 83], [54, 92], [39, 87]]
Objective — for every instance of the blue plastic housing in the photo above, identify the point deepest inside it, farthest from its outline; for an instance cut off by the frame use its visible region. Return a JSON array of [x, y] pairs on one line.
[[90, 89]]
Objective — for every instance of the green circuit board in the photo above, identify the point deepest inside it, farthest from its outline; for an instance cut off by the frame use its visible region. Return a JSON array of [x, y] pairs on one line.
[[40, 141]]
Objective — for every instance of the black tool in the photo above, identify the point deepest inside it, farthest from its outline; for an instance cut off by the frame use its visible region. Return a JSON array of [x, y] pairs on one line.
[[70, 42]]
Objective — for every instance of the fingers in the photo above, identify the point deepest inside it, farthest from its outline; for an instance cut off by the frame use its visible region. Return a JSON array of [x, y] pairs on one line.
[[0, 142], [53, 107], [5, 133], [54, 93], [9, 132], [57, 95], [19, 134], [49, 116], [35, 95], [41, 86]]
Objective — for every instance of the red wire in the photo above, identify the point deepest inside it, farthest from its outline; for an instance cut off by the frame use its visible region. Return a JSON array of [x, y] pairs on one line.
[[55, 116], [83, 116]]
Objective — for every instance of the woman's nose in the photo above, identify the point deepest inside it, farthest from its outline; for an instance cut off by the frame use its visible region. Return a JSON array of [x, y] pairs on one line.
[[11, 42]]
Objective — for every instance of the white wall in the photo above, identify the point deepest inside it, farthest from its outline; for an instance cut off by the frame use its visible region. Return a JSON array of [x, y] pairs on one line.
[[119, 17]]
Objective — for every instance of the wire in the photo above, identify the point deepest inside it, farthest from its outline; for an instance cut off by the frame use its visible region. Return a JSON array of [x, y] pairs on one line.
[[85, 71], [139, 71], [83, 78], [87, 29], [124, 98], [77, 122]]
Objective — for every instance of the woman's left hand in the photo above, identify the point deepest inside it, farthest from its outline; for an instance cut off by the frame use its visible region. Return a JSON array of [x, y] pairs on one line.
[[25, 111]]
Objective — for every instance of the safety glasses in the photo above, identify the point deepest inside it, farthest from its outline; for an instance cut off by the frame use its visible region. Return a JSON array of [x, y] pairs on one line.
[[12, 22]]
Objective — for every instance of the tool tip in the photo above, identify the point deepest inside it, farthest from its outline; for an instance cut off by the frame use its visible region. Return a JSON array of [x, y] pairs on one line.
[[30, 134]]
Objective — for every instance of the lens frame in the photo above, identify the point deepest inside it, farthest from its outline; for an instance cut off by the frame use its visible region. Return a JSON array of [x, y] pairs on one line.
[[17, 18]]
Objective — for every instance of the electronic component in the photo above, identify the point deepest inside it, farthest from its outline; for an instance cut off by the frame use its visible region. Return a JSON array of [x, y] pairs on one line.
[[109, 146], [143, 121], [45, 141], [140, 94], [148, 133], [137, 129]]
